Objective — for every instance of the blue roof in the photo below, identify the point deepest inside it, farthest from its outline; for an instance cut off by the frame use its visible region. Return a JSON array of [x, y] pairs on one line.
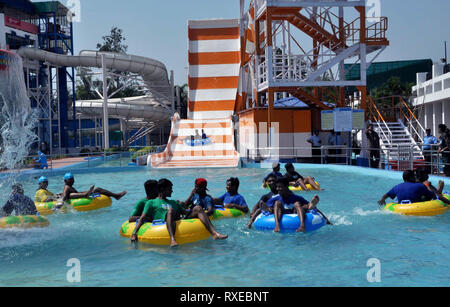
[[21, 5], [294, 103]]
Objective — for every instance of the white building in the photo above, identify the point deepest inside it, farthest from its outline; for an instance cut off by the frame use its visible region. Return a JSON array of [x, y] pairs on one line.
[[432, 97]]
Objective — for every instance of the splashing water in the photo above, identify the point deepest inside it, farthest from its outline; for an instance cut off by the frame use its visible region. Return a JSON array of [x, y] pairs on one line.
[[18, 119]]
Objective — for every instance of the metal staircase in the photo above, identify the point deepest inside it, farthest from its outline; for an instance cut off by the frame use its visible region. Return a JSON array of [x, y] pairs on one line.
[[397, 143]]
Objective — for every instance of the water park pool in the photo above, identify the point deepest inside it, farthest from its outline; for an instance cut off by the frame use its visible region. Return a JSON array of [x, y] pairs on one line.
[[412, 251]]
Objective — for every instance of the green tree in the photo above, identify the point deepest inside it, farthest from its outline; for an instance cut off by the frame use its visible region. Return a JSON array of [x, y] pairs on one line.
[[86, 85], [393, 87], [114, 42]]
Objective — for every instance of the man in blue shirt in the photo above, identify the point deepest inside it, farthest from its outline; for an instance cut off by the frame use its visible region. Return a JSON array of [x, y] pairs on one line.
[[232, 199], [276, 167], [200, 198], [410, 190], [18, 203], [428, 149], [261, 205], [288, 203]]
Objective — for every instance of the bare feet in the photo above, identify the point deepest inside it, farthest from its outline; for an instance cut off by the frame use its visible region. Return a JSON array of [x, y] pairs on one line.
[[277, 230], [249, 226], [173, 243], [218, 236], [119, 196], [302, 229]]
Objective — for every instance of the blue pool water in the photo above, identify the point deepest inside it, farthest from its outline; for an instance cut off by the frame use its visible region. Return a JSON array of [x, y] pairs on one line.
[[413, 251]]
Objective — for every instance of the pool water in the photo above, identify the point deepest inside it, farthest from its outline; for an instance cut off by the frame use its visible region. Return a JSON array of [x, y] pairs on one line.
[[413, 251]]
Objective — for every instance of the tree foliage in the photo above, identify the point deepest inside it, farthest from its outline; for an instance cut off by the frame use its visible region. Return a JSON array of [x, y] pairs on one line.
[[86, 84], [393, 87]]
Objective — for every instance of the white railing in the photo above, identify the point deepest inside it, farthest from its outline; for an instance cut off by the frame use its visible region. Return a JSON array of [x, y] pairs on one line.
[[398, 158]]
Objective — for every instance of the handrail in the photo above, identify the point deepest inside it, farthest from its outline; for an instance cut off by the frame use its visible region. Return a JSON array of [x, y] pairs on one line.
[[415, 118], [374, 106]]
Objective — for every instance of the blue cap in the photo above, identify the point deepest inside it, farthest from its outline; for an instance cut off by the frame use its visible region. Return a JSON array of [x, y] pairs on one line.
[[42, 179], [68, 176]]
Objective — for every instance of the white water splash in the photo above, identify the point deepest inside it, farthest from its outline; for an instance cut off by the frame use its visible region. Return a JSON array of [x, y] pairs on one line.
[[18, 120], [362, 212], [339, 220]]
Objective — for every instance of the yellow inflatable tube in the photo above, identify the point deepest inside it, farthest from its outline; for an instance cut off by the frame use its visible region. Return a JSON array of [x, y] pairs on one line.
[[81, 205], [27, 221], [428, 208], [308, 186], [188, 231], [296, 189]]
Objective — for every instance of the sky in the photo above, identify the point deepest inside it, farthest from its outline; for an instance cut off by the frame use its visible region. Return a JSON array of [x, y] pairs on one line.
[[158, 28]]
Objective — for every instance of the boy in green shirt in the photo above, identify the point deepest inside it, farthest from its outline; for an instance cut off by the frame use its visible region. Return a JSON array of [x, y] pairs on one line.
[[170, 211], [140, 210]]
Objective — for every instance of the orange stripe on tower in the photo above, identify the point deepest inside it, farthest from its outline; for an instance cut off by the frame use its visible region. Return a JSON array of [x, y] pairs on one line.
[[213, 83], [209, 125], [203, 106], [211, 58], [213, 34]]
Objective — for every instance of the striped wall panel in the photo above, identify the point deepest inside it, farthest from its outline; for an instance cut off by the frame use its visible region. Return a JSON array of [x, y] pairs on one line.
[[214, 65], [199, 144]]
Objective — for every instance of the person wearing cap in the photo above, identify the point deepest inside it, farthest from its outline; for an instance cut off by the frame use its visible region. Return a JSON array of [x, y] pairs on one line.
[[261, 206], [232, 199], [43, 195], [200, 198], [276, 167], [71, 193], [18, 203], [297, 180]]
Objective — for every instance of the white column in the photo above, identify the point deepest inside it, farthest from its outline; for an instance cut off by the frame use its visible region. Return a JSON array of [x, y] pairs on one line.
[[105, 106], [2, 32]]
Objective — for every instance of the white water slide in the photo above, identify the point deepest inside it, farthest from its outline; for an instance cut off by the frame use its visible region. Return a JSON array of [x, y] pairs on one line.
[[153, 109]]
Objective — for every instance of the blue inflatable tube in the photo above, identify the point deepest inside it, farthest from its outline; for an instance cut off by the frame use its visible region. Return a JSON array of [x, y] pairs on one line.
[[290, 222], [196, 143]]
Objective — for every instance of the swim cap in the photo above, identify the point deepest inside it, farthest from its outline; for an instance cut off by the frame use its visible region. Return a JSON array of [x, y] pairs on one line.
[[42, 179], [68, 176]]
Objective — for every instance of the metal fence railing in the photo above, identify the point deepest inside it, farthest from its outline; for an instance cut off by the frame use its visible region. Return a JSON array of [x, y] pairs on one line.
[[88, 159], [397, 157]]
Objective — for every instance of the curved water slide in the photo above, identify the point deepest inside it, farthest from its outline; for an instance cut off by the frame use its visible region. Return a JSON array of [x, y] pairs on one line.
[[154, 108]]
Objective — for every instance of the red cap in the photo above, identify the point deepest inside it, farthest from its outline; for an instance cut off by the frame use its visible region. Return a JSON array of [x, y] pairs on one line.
[[201, 182]]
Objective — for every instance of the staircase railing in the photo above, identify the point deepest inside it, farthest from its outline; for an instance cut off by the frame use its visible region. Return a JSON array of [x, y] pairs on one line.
[[375, 116], [407, 114]]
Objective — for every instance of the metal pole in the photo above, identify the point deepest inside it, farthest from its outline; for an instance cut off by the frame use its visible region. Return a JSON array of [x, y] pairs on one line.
[[105, 106], [59, 113], [50, 111]]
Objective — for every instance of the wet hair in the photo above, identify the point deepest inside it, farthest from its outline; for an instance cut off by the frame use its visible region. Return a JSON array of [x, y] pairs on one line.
[[442, 127], [409, 176], [271, 176], [289, 165], [284, 181], [17, 187], [234, 182], [422, 174], [150, 185], [163, 184]]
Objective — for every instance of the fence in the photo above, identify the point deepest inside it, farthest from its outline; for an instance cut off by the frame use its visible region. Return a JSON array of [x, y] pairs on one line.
[[89, 160], [397, 157]]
